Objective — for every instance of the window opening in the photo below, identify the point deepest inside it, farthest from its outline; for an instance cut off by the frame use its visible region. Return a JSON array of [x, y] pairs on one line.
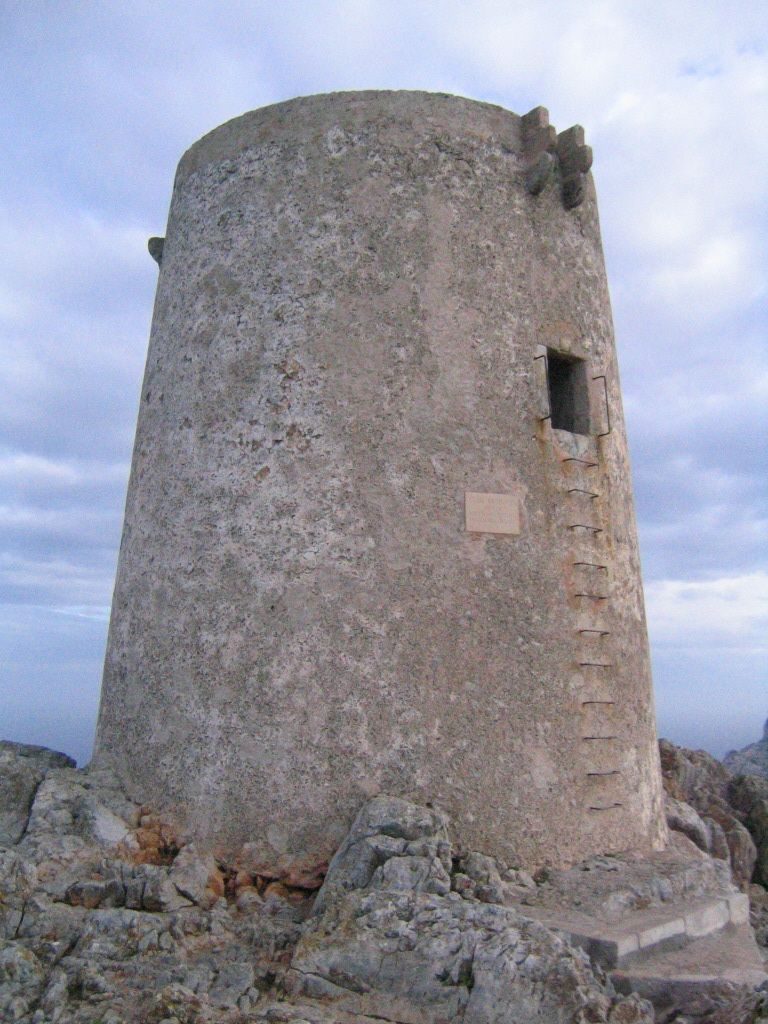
[[568, 392]]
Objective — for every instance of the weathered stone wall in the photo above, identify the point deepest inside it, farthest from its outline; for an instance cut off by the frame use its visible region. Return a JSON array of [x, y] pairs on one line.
[[353, 292]]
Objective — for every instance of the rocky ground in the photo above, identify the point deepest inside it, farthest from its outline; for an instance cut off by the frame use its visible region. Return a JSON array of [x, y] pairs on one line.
[[105, 916], [726, 815]]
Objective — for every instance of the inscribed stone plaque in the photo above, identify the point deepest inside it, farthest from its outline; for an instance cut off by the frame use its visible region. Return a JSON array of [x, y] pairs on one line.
[[491, 513]]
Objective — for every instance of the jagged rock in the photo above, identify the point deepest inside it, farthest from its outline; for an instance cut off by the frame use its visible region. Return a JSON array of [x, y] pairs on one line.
[[750, 760], [159, 892], [196, 876], [97, 893], [22, 978], [383, 829], [693, 775], [410, 955], [681, 817], [180, 1005], [758, 902], [749, 795], [73, 809], [388, 937], [22, 768], [743, 853], [233, 981], [696, 778], [105, 919], [419, 874]]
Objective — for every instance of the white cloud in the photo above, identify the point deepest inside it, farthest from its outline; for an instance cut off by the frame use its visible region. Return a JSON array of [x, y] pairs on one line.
[[23, 469], [94, 613], [725, 612], [56, 583], [51, 252]]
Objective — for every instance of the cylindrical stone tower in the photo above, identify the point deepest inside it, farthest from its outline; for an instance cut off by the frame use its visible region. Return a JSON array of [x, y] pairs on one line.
[[379, 534]]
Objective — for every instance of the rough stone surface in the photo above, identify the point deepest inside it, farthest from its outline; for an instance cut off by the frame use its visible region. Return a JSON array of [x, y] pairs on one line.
[[748, 794], [387, 828], [354, 293], [410, 955], [696, 778], [152, 929], [681, 817], [750, 760], [22, 769], [137, 930]]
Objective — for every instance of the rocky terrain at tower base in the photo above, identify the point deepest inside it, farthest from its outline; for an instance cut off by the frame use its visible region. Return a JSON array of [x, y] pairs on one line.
[[107, 916]]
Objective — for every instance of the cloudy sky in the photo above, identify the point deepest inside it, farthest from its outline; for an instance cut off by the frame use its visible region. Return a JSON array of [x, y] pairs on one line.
[[100, 99]]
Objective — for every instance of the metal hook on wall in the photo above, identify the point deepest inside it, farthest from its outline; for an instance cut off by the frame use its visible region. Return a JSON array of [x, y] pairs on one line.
[[546, 381], [601, 376]]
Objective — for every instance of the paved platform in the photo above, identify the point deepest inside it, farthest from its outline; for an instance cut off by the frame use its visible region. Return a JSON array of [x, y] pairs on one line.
[[713, 977], [640, 933], [698, 956]]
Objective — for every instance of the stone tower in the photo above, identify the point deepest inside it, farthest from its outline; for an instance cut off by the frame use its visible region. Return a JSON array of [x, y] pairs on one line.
[[379, 534]]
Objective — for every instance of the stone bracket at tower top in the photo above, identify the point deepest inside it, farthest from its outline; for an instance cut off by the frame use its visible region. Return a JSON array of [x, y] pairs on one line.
[[544, 149]]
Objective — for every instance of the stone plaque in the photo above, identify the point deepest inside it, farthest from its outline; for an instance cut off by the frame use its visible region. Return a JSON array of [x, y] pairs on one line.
[[492, 513]]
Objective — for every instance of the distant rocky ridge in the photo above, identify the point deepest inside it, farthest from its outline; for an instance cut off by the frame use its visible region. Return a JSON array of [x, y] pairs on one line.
[[752, 759], [108, 917]]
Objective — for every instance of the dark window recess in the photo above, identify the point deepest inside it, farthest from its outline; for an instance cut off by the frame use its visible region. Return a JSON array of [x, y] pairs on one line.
[[568, 392]]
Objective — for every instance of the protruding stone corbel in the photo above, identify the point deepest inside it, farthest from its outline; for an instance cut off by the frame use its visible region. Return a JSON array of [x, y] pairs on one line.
[[575, 161], [543, 148], [155, 246], [539, 146]]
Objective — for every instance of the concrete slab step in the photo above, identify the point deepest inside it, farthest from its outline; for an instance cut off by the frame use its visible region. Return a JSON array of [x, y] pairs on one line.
[[639, 934], [714, 978]]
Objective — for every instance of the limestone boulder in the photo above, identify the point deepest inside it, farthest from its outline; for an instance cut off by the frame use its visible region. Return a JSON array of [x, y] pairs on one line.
[[195, 876], [386, 828], [22, 768], [72, 808], [681, 817], [416, 956], [389, 938], [22, 978], [698, 780], [749, 795]]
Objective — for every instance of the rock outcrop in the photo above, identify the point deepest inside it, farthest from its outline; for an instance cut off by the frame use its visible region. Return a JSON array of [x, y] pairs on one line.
[[750, 760], [107, 916], [724, 814]]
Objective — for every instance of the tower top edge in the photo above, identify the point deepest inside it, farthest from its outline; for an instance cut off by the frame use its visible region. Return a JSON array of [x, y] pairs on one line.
[[295, 117]]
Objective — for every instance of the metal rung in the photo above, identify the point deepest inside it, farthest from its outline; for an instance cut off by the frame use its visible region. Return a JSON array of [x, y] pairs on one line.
[[597, 702], [595, 664], [601, 775], [599, 632], [584, 462], [582, 490], [595, 597], [602, 377], [604, 807], [594, 565], [543, 356], [585, 526], [599, 737]]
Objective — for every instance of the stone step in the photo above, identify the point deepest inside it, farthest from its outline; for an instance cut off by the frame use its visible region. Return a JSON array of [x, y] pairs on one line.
[[642, 933], [713, 977]]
